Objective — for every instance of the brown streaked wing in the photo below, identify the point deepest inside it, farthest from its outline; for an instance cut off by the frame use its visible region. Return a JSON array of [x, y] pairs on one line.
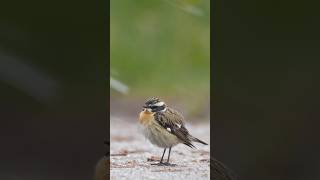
[[171, 119]]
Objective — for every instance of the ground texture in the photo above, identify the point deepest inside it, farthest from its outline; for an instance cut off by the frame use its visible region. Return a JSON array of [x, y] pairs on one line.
[[131, 155]]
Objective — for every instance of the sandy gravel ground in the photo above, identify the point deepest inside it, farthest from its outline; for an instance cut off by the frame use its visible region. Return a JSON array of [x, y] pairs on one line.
[[131, 154]]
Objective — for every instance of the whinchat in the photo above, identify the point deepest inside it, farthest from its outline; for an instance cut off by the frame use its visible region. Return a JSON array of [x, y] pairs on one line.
[[164, 127]]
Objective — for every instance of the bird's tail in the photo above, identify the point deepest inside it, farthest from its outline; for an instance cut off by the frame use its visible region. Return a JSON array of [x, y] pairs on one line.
[[197, 140]]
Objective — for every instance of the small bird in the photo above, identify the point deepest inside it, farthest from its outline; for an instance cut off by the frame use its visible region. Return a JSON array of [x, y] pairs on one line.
[[164, 127]]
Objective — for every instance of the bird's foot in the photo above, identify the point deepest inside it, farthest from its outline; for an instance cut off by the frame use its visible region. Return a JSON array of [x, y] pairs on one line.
[[164, 164], [158, 164], [169, 164]]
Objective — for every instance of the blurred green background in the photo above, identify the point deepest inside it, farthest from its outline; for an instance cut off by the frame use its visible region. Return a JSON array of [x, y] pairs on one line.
[[161, 48]]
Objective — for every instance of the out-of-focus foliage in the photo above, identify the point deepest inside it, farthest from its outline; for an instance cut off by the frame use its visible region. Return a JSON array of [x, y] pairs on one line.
[[161, 47]]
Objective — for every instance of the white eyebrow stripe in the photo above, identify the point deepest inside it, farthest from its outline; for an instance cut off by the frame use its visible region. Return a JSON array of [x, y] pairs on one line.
[[159, 104]]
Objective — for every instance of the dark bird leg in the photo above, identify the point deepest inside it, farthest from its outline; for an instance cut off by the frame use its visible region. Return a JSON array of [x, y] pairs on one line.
[[160, 163], [164, 151], [167, 163], [169, 155]]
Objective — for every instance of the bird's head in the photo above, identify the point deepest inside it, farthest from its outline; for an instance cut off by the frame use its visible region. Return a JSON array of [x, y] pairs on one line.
[[155, 105]]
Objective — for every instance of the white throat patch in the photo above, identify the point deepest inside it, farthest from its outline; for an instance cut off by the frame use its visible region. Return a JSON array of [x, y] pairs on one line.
[[148, 109]]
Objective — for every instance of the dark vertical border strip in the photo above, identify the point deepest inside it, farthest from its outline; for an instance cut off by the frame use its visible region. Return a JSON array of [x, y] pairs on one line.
[[218, 171], [107, 35], [108, 81], [102, 170]]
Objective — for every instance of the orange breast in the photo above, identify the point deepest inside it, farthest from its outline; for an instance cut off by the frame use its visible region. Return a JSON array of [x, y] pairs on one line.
[[145, 117]]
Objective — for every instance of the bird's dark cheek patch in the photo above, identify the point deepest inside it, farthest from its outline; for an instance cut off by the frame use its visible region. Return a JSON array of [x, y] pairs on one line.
[[157, 108]]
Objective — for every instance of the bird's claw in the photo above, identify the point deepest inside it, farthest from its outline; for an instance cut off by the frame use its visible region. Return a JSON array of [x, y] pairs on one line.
[[163, 164]]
